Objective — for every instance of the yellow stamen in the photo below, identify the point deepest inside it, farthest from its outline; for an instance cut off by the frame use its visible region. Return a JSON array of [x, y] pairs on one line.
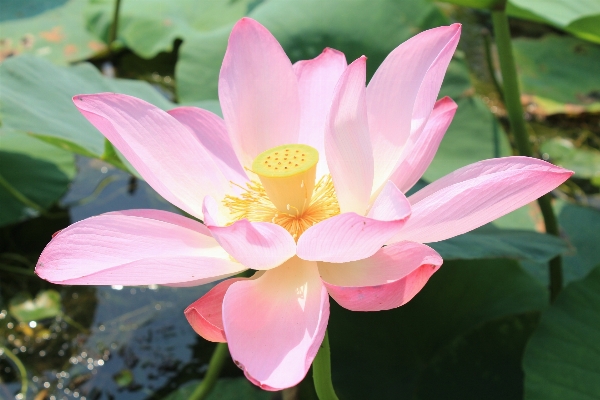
[[255, 205]]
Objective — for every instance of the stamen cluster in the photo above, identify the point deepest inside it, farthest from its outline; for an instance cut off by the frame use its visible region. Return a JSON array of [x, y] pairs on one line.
[[254, 205]]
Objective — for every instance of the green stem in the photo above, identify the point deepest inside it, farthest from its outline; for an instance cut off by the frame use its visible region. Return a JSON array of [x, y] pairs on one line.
[[322, 372], [487, 45], [19, 366], [112, 36], [214, 369], [512, 102]]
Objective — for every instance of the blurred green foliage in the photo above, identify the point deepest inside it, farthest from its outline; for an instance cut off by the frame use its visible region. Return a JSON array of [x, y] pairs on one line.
[[561, 360]]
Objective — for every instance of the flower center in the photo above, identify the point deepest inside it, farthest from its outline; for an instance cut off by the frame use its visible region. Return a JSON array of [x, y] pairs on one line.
[[286, 194]]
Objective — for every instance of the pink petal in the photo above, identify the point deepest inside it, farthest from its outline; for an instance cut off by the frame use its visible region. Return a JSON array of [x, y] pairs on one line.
[[317, 79], [276, 323], [350, 237], [402, 92], [258, 91], [135, 247], [420, 150], [386, 280], [257, 245], [205, 314], [165, 153], [477, 194], [210, 130], [347, 144]]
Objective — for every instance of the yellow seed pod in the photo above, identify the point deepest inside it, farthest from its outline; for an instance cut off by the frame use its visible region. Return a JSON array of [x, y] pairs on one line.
[[288, 175]]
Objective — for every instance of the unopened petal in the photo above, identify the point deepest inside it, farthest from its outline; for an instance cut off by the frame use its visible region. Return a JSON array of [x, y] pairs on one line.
[[205, 314]]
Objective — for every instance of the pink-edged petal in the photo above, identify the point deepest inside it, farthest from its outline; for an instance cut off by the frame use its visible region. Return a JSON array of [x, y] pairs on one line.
[[386, 280], [135, 247], [276, 323], [210, 130], [347, 144], [257, 245], [350, 237], [205, 314], [317, 79], [420, 150], [477, 194], [258, 91], [165, 153], [402, 92]]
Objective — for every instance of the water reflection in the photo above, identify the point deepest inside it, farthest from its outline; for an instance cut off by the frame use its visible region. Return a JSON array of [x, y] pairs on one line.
[[106, 342]]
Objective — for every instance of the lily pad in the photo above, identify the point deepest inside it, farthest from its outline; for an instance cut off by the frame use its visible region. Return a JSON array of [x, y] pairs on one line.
[[32, 102], [558, 74], [482, 364], [501, 243], [225, 389], [396, 348], [33, 175], [309, 27], [580, 226], [58, 32], [562, 358], [152, 26], [584, 162], [580, 18], [45, 305], [579, 229]]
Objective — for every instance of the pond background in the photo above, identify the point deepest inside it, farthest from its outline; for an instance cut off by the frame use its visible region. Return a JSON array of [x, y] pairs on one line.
[[481, 328]]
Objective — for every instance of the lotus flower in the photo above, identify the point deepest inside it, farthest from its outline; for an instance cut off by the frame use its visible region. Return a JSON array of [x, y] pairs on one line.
[[303, 180]]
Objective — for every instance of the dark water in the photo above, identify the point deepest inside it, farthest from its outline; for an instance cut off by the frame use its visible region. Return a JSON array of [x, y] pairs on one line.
[[109, 342]]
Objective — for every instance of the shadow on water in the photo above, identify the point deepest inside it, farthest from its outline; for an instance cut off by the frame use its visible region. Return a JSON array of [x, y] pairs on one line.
[[106, 342]]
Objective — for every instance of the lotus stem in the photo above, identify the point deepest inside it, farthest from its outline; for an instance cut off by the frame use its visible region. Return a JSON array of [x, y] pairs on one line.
[[512, 102], [215, 366], [22, 371], [487, 45], [322, 372], [112, 36]]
